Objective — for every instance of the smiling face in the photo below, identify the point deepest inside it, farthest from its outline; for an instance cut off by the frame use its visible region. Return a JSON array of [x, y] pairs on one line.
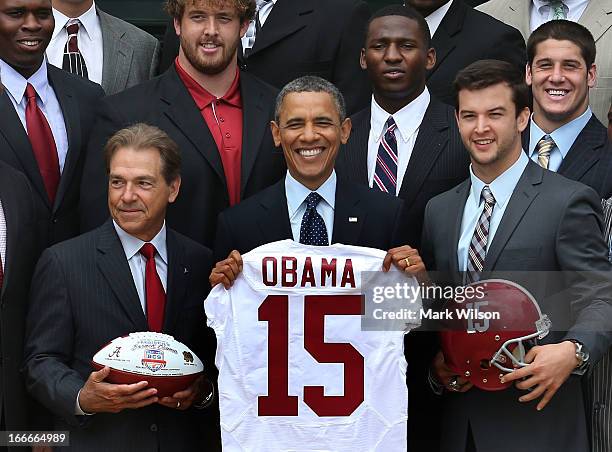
[[26, 27], [397, 59], [209, 33], [310, 132], [490, 129], [138, 194], [560, 82]]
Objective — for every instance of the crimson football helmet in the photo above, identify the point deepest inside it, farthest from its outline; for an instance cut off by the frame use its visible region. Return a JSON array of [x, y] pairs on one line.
[[485, 337]]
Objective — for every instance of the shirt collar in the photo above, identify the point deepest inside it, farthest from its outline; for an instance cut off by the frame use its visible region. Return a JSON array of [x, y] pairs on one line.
[[88, 20], [503, 186], [297, 193], [571, 4], [15, 83], [408, 118], [131, 245], [202, 97], [435, 19], [564, 137]]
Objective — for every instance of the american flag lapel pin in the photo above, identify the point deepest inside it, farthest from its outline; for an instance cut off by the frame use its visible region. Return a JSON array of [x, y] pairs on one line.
[[352, 219]]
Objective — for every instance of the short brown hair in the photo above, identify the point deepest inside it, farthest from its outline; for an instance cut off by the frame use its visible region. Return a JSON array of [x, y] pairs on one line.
[[563, 30], [245, 8], [485, 73], [143, 136]]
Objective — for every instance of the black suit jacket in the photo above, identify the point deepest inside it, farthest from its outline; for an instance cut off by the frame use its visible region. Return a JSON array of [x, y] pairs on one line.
[[306, 37], [589, 160], [551, 224], [165, 102], [77, 98], [21, 253], [465, 36], [438, 162], [83, 296], [264, 218]]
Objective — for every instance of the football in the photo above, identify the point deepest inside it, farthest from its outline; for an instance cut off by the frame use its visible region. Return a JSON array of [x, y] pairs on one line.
[[168, 365]]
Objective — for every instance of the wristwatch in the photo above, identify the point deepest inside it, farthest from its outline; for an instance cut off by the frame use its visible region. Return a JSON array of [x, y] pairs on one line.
[[582, 355], [208, 395]]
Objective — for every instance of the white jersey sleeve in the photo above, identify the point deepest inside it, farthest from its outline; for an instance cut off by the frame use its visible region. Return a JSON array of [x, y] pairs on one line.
[[297, 372]]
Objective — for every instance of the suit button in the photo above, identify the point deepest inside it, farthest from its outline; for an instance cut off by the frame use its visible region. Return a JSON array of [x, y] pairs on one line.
[[597, 406], [54, 220], [153, 427]]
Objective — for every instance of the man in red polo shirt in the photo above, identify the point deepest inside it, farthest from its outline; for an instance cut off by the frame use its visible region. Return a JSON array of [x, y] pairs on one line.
[[218, 115]]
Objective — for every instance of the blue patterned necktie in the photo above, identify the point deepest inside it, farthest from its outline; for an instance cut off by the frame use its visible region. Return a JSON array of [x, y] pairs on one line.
[[313, 230], [385, 172], [478, 246], [558, 10]]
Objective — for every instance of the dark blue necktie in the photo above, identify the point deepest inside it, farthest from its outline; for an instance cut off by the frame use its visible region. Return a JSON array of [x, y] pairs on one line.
[[313, 231]]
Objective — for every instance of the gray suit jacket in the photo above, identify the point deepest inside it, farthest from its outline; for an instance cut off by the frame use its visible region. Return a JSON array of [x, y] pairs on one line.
[[551, 224], [130, 54], [597, 18]]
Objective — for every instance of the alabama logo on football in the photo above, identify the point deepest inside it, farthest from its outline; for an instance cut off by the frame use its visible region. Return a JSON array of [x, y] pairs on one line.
[[153, 360]]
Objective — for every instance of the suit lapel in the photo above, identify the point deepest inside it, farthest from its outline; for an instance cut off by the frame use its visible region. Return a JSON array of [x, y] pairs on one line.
[[456, 213], [597, 17], [349, 216], [117, 55], [355, 152], [429, 144], [519, 16], [183, 112], [114, 266], [584, 153], [178, 271], [443, 39], [72, 121], [274, 221], [255, 122], [17, 138], [523, 195], [11, 212], [286, 18]]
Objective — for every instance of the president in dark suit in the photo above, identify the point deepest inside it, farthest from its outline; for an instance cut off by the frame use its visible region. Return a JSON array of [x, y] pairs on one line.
[[311, 205], [306, 37], [462, 35], [46, 116], [18, 253], [217, 115], [424, 138], [565, 136], [96, 287], [512, 215]]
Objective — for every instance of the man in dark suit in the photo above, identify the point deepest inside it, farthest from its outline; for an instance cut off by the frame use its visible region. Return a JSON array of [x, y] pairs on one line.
[[18, 252], [311, 205], [462, 35], [308, 37], [564, 135], [429, 152], [96, 287], [217, 114], [512, 215], [46, 116]]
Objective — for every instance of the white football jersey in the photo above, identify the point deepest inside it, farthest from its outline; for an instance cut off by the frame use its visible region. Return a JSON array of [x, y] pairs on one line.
[[296, 370]]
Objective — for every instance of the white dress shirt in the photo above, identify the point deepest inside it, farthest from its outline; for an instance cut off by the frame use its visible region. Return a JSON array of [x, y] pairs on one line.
[[138, 264], [541, 11], [263, 11], [15, 85], [435, 18], [408, 121], [2, 237], [89, 40], [563, 137], [502, 188], [296, 203]]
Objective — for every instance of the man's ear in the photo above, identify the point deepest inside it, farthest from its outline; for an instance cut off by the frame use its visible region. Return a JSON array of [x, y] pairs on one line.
[[276, 135], [345, 130]]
